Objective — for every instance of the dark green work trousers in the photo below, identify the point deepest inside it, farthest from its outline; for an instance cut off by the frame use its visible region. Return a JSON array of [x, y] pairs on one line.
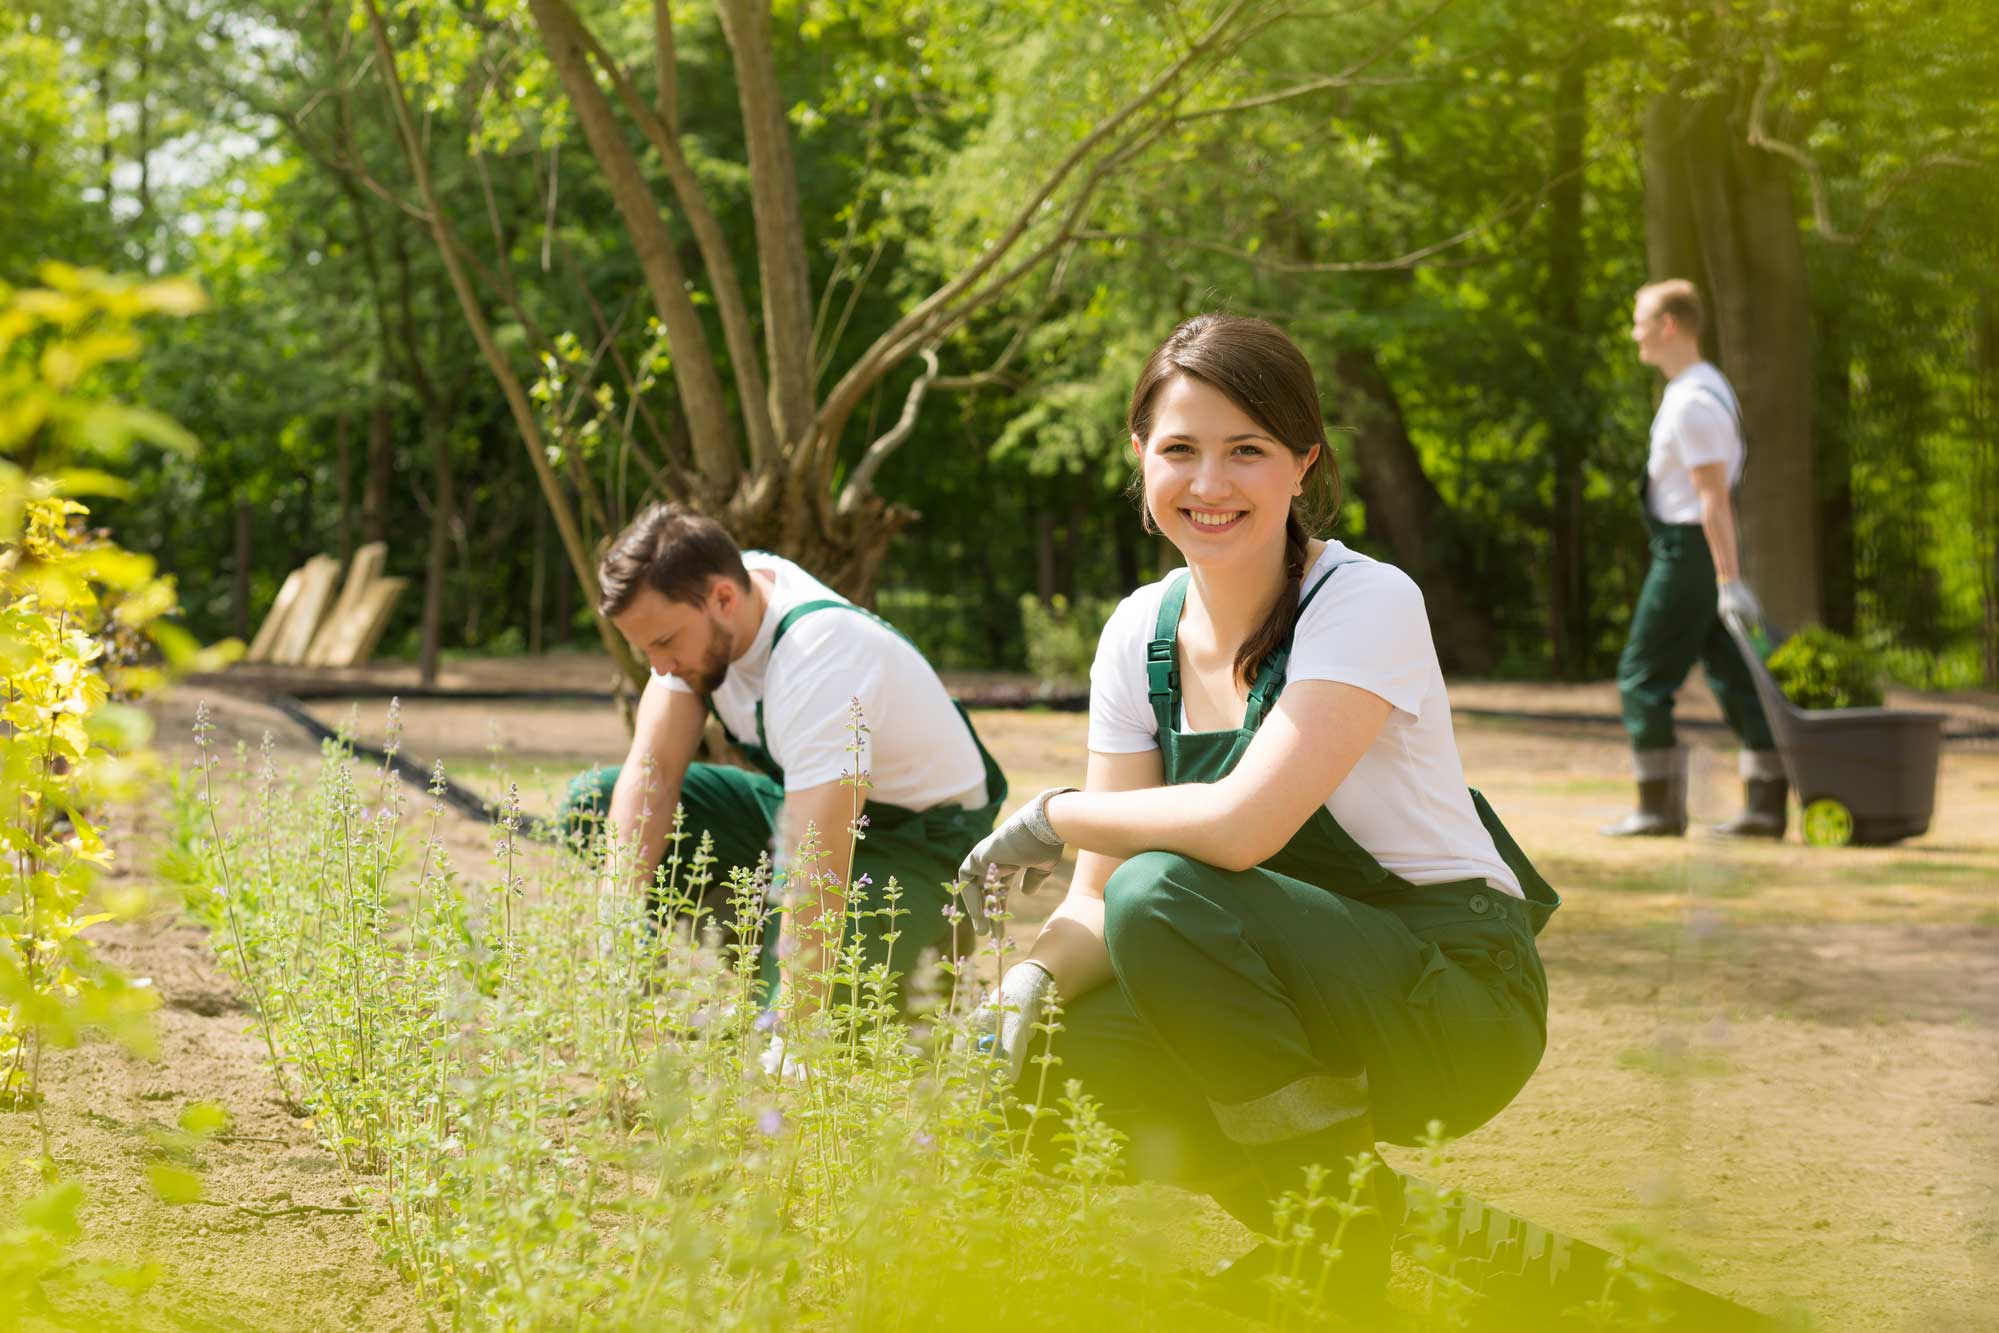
[[1675, 625], [1253, 1008], [738, 808]]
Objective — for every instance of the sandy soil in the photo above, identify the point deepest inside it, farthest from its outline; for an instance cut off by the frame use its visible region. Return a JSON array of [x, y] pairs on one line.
[[279, 1243], [1786, 1061]]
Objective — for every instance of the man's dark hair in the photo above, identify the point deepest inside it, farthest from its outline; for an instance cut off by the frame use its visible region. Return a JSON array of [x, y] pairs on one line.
[[672, 550]]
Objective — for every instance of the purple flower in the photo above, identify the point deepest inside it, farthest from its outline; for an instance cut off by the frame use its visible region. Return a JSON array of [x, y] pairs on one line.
[[766, 1021], [771, 1123], [924, 1142]]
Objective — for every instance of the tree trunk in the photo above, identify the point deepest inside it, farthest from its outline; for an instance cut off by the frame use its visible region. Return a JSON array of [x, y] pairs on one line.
[[1405, 509], [1985, 465], [1125, 535], [343, 483], [1044, 555], [631, 671], [437, 560], [381, 480], [1571, 409], [1832, 438], [565, 609], [239, 588], [1722, 214], [538, 581]]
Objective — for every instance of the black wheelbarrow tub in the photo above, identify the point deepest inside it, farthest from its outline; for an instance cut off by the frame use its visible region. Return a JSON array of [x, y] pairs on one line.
[[1880, 764]]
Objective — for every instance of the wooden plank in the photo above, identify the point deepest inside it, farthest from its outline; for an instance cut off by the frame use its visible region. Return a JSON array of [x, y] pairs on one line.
[[354, 636], [315, 592], [274, 621], [361, 574]]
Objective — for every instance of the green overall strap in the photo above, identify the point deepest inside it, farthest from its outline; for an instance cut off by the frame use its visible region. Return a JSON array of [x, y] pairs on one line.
[[792, 617], [1270, 677], [881, 813], [1162, 670]]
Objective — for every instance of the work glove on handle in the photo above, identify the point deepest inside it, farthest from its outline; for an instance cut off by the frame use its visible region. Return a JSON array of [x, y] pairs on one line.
[[1005, 1021], [1733, 598], [1024, 844]]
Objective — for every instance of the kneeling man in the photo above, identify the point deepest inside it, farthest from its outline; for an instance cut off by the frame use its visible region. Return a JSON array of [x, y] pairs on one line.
[[782, 660]]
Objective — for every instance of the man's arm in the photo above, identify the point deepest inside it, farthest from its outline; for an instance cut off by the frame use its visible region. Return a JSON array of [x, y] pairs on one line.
[[1718, 519], [665, 736], [817, 889]]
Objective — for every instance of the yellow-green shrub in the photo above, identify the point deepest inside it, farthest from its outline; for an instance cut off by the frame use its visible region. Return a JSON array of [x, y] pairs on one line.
[[72, 605]]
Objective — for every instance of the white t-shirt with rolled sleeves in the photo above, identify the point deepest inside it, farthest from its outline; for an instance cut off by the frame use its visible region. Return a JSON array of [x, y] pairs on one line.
[[1697, 423], [1405, 800], [917, 751]]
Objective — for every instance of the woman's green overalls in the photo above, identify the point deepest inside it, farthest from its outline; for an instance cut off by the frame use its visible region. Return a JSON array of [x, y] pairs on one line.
[[1259, 1008], [919, 849]]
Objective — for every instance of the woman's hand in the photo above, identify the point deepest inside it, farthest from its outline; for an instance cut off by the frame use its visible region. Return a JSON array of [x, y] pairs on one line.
[[1024, 843], [1005, 1023]]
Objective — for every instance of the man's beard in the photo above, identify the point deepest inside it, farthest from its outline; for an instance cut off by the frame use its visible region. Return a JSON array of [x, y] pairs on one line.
[[715, 666]]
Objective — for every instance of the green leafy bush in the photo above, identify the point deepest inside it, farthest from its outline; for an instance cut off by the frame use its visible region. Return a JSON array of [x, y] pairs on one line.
[[1818, 668], [1062, 636]]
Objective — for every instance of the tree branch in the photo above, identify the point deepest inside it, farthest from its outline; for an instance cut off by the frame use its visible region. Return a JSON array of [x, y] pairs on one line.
[[666, 68], [737, 333], [780, 225], [923, 324], [1760, 137], [693, 362], [482, 333], [862, 480]]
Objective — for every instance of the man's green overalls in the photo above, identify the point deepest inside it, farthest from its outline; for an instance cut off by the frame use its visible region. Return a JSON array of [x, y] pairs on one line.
[[920, 849], [1674, 625], [1255, 1009]]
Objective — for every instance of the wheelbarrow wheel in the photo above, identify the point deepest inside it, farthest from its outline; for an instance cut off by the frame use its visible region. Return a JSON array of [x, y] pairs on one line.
[[1828, 823]]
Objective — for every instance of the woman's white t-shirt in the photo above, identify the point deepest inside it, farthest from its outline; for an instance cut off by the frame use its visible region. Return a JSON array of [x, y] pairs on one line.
[[917, 751], [1405, 801]]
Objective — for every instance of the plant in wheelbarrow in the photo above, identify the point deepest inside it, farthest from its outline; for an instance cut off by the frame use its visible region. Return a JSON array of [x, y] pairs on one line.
[[1863, 773], [1822, 668]]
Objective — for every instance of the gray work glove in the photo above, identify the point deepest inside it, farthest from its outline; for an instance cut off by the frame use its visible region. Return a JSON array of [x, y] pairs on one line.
[[778, 1064], [1023, 844], [1005, 1021], [1733, 598]]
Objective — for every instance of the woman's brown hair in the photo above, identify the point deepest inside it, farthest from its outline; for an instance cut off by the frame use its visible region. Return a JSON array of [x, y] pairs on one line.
[[1255, 366]]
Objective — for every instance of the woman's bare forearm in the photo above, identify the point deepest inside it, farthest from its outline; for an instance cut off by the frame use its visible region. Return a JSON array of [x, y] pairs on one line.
[[1071, 943]]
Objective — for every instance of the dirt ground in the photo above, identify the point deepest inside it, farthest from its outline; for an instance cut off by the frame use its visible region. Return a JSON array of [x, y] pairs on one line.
[[1783, 1060]]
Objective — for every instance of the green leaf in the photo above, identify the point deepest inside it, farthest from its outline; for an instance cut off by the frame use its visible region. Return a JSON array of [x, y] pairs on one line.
[[54, 1209], [174, 1184], [204, 1119]]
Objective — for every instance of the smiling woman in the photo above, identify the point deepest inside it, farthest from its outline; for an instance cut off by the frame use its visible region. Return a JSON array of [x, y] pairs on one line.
[[1292, 929]]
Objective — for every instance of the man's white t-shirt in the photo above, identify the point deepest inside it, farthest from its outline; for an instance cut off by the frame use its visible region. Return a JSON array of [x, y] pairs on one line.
[[1696, 424], [1405, 801], [917, 751]]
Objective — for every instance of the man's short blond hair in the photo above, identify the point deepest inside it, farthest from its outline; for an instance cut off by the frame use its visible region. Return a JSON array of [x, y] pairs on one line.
[[1680, 299]]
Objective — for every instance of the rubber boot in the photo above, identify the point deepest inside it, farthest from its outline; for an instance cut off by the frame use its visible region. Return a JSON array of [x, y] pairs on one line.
[[1352, 1284], [1766, 806], [1662, 797]]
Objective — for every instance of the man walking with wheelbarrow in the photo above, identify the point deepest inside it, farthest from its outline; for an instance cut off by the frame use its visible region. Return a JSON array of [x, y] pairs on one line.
[[1686, 496]]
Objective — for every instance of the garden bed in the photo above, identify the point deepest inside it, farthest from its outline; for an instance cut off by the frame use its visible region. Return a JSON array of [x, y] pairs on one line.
[[1782, 1060]]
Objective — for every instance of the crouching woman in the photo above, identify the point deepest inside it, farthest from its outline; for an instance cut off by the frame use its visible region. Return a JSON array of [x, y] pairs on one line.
[[1292, 930]]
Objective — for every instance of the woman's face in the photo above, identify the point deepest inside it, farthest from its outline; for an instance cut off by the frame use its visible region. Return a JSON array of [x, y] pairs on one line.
[[1218, 485]]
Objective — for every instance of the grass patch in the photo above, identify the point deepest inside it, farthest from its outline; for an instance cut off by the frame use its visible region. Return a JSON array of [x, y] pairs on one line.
[[1917, 870], [1670, 1060]]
